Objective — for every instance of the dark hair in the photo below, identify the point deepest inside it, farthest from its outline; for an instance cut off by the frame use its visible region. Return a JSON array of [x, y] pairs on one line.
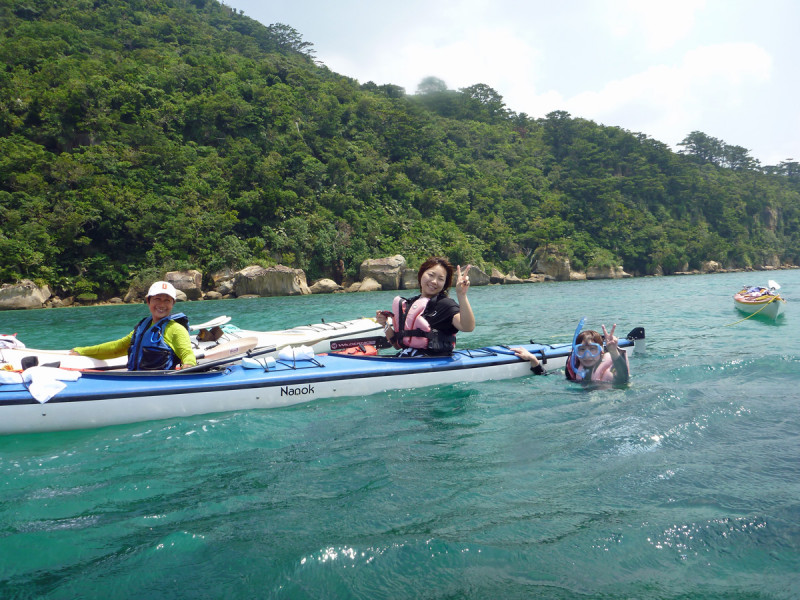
[[589, 335], [432, 262]]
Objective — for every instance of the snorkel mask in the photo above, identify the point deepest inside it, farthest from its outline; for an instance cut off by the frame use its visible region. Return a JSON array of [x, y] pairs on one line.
[[588, 350]]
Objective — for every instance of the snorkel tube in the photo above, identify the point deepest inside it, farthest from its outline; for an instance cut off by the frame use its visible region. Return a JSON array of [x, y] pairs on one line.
[[573, 360]]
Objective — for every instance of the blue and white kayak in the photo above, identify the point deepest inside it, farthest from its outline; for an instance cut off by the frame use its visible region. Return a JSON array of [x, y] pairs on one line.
[[99, 399]]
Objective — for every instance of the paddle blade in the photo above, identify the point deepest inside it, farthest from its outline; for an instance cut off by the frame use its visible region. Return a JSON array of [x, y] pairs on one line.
[[773, 285], [233, 348], [218, 322]]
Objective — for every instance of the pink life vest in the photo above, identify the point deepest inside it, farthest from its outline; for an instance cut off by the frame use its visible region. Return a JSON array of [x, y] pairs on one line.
[[602, 372], [413, 321]]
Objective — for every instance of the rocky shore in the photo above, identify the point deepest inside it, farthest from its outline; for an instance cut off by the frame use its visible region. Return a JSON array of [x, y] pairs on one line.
[[390, 273]]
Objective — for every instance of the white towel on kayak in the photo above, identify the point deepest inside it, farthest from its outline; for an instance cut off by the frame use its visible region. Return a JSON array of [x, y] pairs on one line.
[[46, 382], [10, 377], [299, 353]]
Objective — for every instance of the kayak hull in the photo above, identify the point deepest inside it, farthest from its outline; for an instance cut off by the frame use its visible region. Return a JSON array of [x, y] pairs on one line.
[[100, 399], [768, 306]]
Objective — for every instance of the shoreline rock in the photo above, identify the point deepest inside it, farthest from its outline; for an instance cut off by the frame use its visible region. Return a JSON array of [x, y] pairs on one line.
[[264, 282], [23, 295], [387, 272], [272, 281]]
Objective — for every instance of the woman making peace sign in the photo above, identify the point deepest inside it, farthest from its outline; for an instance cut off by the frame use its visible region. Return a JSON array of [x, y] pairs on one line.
[[427, 324]]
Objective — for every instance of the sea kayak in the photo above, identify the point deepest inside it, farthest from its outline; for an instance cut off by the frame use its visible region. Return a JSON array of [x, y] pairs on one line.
[[211, 334], [98, 399]]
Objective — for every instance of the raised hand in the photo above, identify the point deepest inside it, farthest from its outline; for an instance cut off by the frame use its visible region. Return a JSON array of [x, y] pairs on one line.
[[462, 280], [464, 320], [611, 340]]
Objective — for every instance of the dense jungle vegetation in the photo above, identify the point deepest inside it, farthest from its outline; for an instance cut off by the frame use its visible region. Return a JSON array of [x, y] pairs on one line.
[[139, 136]]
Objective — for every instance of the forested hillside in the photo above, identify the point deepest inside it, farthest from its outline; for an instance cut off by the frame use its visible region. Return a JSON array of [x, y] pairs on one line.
[[143, 135]]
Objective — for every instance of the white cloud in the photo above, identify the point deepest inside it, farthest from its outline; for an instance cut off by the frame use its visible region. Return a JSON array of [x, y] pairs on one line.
[[490, 56], [660, 24], [662, 67], [668, 102], [495, 56], [735, 63]]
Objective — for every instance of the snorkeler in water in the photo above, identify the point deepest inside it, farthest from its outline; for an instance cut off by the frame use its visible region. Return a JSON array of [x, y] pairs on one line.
[[594, 358]]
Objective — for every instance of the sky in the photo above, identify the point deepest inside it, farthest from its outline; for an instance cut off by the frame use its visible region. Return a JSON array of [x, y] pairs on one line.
[[727, 68]]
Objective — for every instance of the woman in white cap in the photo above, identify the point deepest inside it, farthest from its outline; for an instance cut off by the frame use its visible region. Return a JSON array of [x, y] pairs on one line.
[[159, 342]]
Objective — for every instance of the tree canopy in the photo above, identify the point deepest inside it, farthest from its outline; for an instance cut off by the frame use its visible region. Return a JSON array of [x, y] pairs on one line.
[[139, 136]]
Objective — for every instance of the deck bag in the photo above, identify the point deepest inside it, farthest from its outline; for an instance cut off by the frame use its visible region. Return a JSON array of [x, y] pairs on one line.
[[210, 335], [299, 353], [359, 350]]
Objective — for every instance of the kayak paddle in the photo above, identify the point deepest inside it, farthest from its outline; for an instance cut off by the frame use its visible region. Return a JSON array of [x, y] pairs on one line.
[[235, 347], [247, 353]]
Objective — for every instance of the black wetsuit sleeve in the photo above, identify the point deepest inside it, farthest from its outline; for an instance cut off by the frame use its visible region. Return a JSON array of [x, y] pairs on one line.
[[538, 370], [621, 374], [445, 310]]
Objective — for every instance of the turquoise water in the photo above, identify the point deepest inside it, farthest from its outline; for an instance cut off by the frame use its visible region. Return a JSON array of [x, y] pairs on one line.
[[684, 485]]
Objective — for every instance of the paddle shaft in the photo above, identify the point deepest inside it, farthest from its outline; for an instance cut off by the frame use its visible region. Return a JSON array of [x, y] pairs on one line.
[[225, 361], [234, 348], [635, 334]]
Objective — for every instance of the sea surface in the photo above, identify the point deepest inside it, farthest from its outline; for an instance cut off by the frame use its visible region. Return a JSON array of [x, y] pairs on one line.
[[684, 485]]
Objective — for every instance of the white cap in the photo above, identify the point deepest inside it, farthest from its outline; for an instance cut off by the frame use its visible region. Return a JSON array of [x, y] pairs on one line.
[[162, 287]]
